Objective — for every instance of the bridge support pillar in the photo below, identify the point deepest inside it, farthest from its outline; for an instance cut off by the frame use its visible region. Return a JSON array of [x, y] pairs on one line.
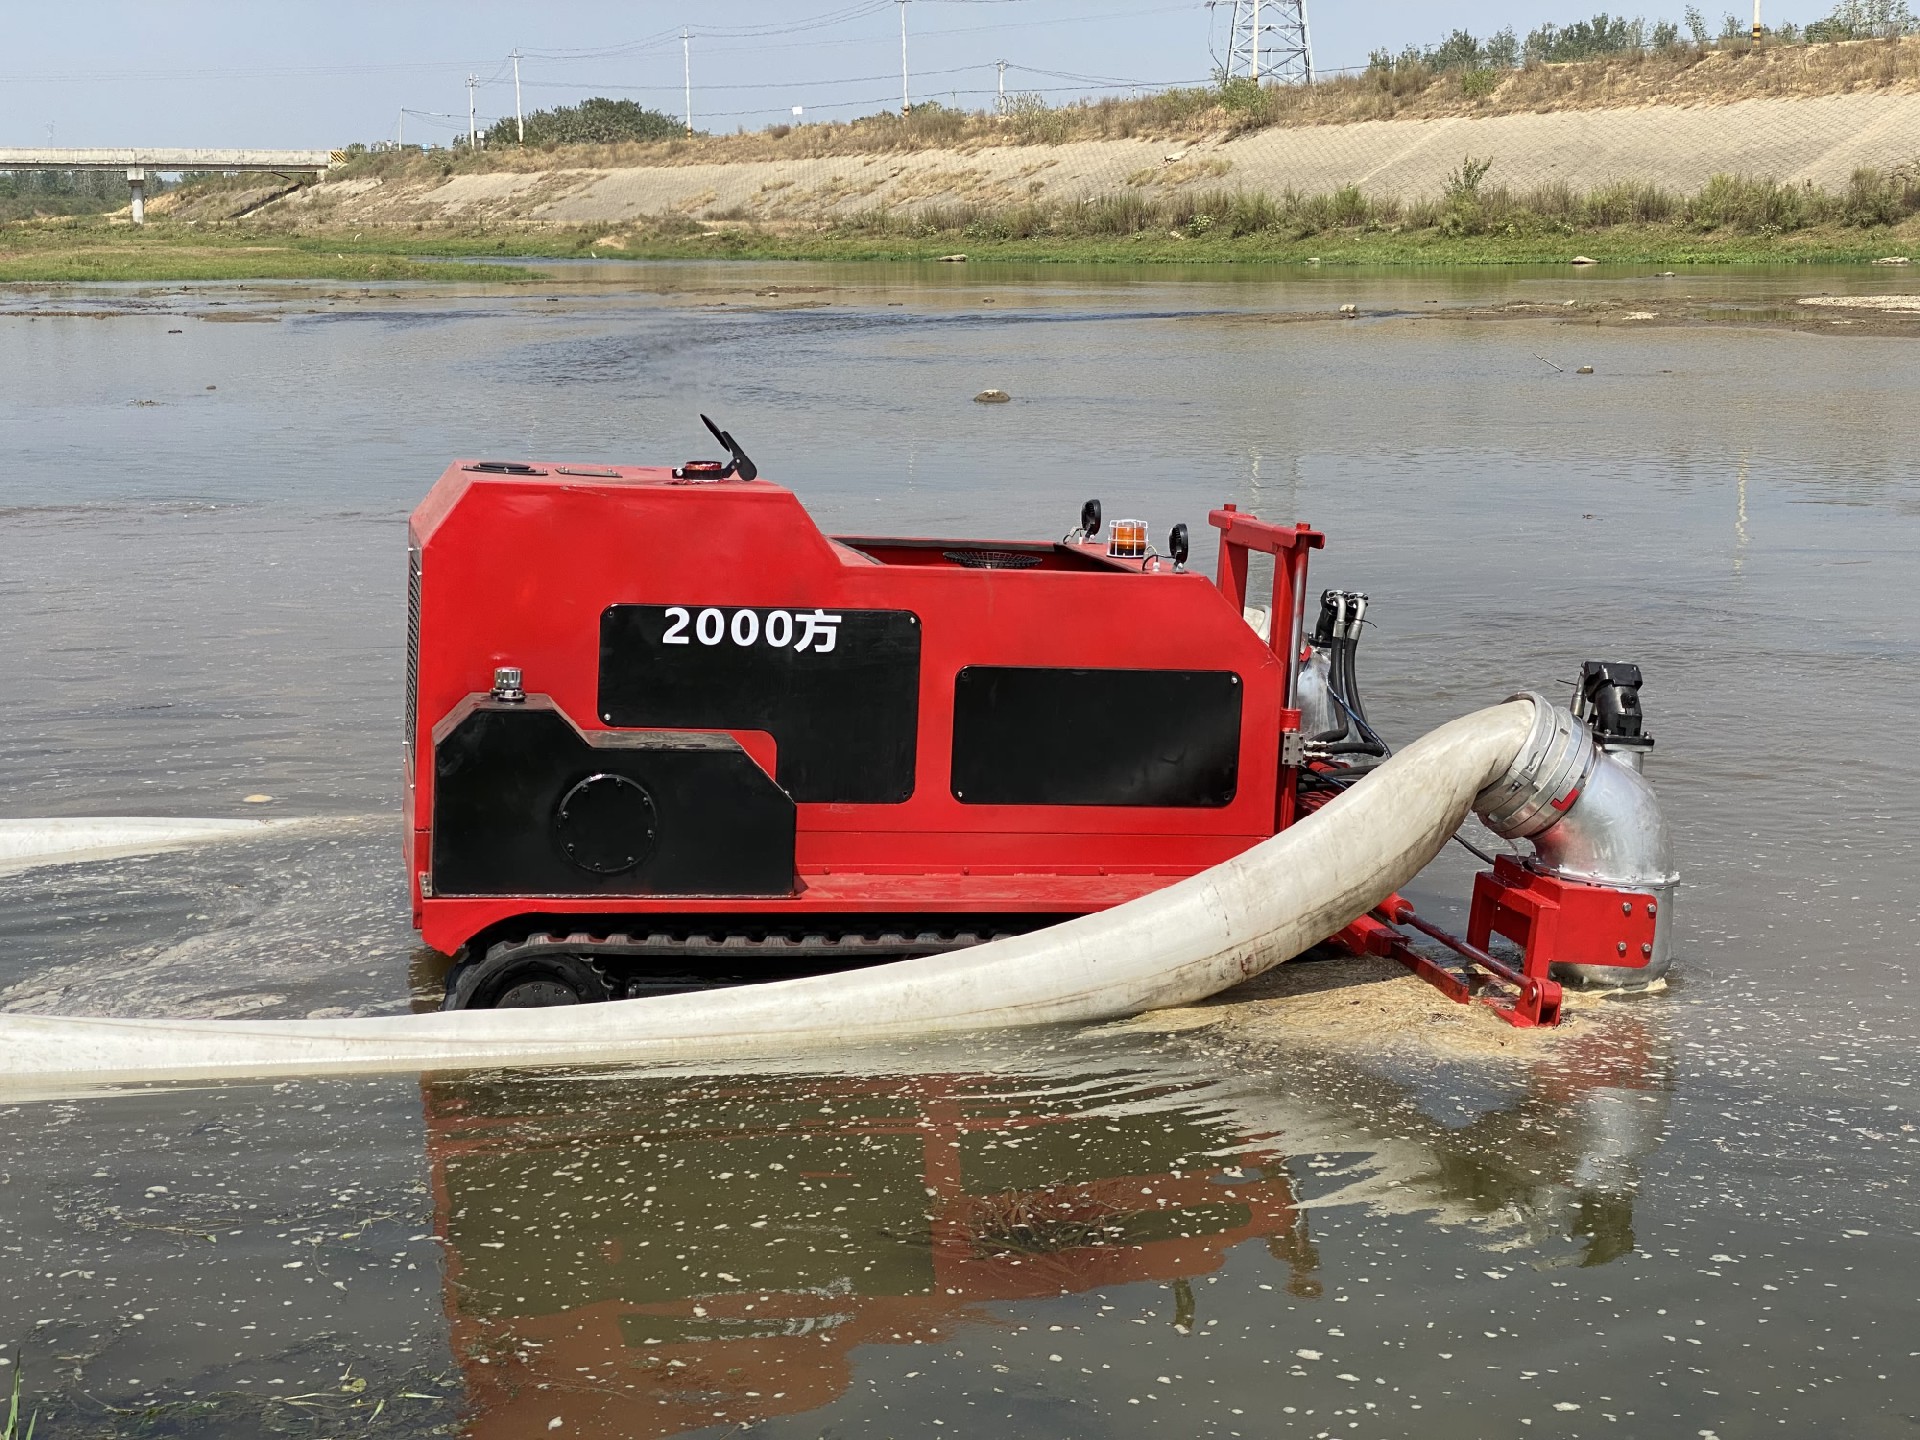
[[137, 183]]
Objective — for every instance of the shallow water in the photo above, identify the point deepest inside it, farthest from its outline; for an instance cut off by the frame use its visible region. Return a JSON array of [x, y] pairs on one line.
[[201, 562]]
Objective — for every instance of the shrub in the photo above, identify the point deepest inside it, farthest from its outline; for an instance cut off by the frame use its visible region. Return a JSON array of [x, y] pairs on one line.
[[1478, 83], [1737, 202], [597, 121], [1035, 122]]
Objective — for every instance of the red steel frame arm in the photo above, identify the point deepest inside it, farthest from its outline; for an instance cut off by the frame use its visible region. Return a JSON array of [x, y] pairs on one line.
[[1240, 535]]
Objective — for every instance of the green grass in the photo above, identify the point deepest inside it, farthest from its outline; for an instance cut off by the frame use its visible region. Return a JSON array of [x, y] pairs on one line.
[[1640, 245], [97, 252], [13, 1430], [1718, 227]]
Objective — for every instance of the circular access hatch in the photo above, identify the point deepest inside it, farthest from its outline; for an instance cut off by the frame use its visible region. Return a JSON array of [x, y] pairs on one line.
[[606, 824]]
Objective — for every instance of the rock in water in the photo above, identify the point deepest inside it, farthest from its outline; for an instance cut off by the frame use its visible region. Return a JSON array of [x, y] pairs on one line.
[[1583, 260], [953, 259], [992, 397]]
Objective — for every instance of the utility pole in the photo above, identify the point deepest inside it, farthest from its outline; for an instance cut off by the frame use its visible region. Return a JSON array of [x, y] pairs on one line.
[[1756, 22], [686, 71], [1003, 85], [1270, 40], [400, 130], [519, 119], [906, 102], [473, 135]]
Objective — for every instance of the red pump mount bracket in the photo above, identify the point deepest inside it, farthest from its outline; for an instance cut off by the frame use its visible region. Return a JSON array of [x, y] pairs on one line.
[[1523, 999], [1240, 535], [1553, 921], [1561, 922]]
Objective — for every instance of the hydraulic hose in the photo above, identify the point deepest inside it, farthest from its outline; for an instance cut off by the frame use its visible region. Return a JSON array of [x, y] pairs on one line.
[[1176, 946]]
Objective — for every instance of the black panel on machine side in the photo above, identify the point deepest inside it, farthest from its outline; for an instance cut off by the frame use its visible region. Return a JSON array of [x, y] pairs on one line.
[[1040, 736], [839, 691], [526, 804]]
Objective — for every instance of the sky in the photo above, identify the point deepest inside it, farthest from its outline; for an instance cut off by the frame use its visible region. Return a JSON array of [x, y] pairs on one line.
[[298, 73]]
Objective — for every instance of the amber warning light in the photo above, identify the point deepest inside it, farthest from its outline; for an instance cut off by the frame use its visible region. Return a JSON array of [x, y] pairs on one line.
[[1129, 540]]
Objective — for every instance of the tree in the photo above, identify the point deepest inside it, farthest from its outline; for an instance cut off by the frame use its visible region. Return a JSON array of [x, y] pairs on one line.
[[1865, 20]]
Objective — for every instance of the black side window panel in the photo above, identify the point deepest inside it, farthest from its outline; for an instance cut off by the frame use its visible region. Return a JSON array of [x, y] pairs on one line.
[[1030, 736], [845, 720]]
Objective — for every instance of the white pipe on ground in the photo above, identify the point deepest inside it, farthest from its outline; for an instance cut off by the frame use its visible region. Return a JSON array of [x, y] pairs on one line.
[[1176, 946]]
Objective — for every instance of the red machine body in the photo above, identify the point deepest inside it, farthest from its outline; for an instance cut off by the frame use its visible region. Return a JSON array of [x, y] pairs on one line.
[[874, 686]]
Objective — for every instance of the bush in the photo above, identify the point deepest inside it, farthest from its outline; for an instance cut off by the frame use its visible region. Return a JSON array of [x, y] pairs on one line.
[[1738, 202], [1478, 83], [1035, 122], [1242, 95], [1875, 197], [598, 121]]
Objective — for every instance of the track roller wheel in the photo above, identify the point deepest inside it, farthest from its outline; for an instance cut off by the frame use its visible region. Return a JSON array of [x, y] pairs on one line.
[[508, 978]]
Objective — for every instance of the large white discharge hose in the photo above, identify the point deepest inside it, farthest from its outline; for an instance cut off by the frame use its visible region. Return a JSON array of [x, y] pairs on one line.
[[25, 844], [1191, 940]]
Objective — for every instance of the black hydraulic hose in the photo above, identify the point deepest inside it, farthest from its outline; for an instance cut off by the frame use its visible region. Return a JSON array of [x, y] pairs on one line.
[[1472, 849], [1327, 737], [1351, 690], [1370, 744]]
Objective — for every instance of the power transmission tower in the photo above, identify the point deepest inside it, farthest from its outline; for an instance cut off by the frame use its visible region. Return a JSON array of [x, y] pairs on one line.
[[1270, 42]]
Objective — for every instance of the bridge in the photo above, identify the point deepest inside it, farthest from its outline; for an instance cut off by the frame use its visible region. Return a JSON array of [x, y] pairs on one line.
[[139, 162]]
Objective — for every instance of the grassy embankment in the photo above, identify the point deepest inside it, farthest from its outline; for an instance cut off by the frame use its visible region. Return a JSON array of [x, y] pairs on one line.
[[93, 249]]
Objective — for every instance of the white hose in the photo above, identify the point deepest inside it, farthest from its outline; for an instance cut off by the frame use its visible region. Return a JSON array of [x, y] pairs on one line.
[[25, 844], [1191, 940]]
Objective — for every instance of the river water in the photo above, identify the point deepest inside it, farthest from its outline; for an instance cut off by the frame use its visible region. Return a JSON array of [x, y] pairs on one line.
[[1690, 1215]]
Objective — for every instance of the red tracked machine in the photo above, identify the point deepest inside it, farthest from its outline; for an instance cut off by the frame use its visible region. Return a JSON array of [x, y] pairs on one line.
[[662, 732]]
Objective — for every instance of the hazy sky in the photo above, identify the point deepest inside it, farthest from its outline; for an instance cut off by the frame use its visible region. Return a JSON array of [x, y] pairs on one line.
[[296, 73]]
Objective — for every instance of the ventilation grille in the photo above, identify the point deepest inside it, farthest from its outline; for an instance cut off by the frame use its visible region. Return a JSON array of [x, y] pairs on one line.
[[413, 651]]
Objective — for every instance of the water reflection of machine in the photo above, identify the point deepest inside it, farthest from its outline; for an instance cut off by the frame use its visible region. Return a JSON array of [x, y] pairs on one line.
[[646, 1256]]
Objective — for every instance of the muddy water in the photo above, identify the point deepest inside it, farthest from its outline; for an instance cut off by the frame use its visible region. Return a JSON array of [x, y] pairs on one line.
[[1685, 1216]]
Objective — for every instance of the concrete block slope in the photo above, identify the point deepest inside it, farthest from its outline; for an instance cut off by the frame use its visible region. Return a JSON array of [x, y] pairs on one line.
[[1820, 140]]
